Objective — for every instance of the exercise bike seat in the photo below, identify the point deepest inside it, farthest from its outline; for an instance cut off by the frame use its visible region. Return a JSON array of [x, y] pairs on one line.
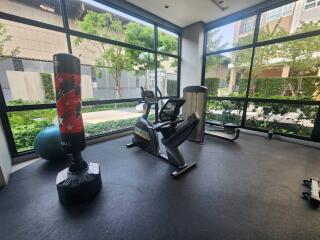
[[182, 131]]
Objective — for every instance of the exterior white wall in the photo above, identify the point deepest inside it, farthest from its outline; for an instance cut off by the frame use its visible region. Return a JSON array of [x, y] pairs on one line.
[[191, 55], [5, 159]]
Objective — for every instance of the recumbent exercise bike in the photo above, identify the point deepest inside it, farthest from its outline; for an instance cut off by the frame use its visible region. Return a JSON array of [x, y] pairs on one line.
[[173, 129]]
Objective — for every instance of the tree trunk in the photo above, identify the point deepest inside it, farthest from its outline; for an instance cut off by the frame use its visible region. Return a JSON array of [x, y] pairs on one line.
[[118, 87]]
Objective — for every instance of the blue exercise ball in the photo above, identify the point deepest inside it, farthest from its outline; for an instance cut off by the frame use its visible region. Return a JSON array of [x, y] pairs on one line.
[[48, 144]]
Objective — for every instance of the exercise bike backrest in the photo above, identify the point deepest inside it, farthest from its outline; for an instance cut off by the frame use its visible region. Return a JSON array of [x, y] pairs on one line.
[[171, 110]]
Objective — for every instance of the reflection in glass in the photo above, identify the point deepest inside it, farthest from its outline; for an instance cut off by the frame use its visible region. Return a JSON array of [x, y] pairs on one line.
[[39, 10], [168, 42], [231, 35], [293, 18], [98, 19], [227, 73]]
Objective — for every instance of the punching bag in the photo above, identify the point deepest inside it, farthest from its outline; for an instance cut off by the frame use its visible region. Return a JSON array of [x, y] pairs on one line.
[[80, 181], [68, 96]]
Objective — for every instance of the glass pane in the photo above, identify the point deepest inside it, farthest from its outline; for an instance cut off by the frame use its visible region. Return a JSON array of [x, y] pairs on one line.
[[287, 70], [97, 19], [167, 75], [25, 126], [39, 10], [112, 72], [26, 65], [280, 117], [105, 118], [293, 18], [168, 42], [227, 73], [224, 111], [231, 35]]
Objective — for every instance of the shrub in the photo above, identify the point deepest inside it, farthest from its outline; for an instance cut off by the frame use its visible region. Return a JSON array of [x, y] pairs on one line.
[[171, 87], [212, 84], [47, 86], [108, 126], [25, 126]]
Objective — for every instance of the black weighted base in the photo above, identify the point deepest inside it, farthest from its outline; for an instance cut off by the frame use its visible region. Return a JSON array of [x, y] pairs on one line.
[[314, 195], [74, 188]]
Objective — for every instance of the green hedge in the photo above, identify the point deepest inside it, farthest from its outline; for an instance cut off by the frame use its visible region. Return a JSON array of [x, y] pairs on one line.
[[294, 129], [269, 87], [109, 106], [172, 87], [48, 86], [26, 125], [212, 84], [108, 126]]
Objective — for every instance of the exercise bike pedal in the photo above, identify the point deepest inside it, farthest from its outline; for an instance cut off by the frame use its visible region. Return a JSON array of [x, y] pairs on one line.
[[188, 166]]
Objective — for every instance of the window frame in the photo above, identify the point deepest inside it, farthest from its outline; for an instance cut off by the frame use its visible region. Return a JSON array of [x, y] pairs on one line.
[[316, 2], [315, 136], [282, 11], [65, 29]]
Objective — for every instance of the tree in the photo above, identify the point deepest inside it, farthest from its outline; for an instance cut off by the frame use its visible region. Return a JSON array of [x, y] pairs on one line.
[[5, 38], [301, 56], [263, 54], [110, 56], [117, 58], [214, 42]]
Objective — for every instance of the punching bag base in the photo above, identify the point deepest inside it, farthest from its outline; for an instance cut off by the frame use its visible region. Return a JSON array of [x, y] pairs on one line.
[[78, 188]]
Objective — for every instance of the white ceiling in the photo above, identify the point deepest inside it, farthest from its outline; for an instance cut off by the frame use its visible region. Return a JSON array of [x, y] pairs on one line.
[[186, 12]]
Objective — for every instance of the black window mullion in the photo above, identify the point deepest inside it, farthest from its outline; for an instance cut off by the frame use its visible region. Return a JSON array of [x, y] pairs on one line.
[[156, 70], [66, 24], [315, 135], [179, 66], [255, 39], [69, 32], [31, 22], [6, 125], [229, 49], [204, 59]]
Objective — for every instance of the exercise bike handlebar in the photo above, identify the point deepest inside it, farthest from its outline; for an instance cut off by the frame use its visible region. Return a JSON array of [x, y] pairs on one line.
[[160, 125]]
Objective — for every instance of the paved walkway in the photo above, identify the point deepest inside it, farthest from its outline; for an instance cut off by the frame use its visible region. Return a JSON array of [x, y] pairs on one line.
[[110, 115]]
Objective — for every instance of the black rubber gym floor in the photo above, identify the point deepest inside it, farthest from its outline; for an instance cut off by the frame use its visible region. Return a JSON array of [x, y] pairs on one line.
[[245, 190]]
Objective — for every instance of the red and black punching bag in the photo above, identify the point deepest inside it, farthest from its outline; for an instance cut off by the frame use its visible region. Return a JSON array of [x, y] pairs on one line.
[[80, 181], [68, 95]]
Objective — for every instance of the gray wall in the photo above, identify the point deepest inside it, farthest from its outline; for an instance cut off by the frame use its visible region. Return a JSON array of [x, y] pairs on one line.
[[102, 89]]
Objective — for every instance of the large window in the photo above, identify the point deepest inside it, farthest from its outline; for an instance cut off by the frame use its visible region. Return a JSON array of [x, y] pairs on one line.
[[119, 54], [97, 19], [309, 4], [234, 34], [267, 85], [227, 73], [279, 12], [287, 20]]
